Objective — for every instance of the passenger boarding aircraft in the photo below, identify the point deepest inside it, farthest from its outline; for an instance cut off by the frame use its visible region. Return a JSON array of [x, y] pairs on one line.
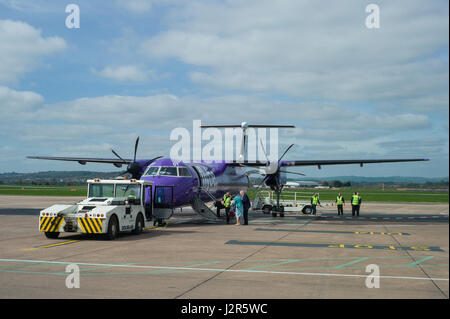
[[195, 183]]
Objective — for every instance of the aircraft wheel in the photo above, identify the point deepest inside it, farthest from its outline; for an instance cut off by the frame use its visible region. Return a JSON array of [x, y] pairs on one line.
[[51, 235], [307, 210], [266, 209], [159, 222]]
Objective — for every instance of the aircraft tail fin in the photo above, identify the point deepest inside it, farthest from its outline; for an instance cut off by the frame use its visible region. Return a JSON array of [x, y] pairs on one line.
[[245, 126]]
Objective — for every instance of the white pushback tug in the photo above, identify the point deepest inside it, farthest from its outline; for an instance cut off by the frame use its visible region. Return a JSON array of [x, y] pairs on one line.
[[111, 206]]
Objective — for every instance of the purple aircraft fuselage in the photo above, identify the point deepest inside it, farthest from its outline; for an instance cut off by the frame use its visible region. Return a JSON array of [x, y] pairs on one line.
[[193, 179]]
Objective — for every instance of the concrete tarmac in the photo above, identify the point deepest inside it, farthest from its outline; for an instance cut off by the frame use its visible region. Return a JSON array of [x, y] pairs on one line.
[[292, 257]]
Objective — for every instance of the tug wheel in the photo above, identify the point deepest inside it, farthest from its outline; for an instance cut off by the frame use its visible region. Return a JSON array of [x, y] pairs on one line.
[[113, 228], [139, 225], [51, 235]]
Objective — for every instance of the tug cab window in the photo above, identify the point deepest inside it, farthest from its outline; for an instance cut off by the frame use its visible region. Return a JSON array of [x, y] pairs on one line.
[[101, 190], [128, 191]]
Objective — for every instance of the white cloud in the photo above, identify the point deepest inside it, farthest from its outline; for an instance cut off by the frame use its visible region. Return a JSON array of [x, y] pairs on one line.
[[125, 73], [17, 105], [90, 126], [26, 5], [165, 111], [135, 6], [310, 50], [21, 45]]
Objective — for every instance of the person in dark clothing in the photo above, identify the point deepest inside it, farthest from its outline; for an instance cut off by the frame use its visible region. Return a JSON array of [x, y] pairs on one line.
[[247, 204], [219, 206], [359, 204], [356, 201]]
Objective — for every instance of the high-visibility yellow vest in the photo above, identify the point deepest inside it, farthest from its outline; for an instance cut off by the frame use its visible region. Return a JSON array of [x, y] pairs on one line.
[[339, 200], [355, 200], [226, 201], [315, 200]]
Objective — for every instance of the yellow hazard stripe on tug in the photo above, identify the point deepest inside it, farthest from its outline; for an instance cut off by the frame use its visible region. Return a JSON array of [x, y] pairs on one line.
[[50, 224], [91, 225]]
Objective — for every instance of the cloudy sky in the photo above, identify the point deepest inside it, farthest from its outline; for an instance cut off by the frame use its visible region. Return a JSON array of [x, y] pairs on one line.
[[144, 67]]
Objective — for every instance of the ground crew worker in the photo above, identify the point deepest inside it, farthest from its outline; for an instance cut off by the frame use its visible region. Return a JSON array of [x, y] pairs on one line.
[[314, 202], [355, 204], [131, 198], [340, 202], [359, 204], [227, 205]]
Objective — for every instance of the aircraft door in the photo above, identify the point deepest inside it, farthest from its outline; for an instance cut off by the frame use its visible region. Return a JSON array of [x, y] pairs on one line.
[[148, 202], [163, 202], [199, 177]]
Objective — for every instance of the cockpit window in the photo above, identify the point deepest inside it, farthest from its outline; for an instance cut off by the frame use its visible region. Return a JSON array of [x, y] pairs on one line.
[[183, 171], [168, 171], [152, 171]]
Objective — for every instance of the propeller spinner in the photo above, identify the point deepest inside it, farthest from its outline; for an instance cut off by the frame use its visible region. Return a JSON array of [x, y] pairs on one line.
[[134, 168]]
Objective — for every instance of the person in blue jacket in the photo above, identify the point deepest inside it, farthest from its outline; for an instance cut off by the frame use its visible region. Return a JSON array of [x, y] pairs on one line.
[[239, 208]]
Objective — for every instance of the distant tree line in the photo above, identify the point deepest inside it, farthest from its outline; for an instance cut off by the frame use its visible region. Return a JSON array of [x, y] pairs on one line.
[[428, 184], [336, 184]]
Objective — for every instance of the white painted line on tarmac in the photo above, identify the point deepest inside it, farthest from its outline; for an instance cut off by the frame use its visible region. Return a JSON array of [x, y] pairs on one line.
[[219, 270]]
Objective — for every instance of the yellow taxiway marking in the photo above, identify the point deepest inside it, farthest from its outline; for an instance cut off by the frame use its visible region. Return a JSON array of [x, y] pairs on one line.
[[157, 227], [51, 245]]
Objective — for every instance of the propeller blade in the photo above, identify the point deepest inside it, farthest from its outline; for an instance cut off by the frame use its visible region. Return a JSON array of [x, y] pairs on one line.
[[287, 172], [248, 173], [290, 146], [152, 160], [135, 149], [118, 156]]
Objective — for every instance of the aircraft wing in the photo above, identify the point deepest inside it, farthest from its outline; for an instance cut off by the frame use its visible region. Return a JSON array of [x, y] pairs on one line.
[[320, 163], [83, 160]]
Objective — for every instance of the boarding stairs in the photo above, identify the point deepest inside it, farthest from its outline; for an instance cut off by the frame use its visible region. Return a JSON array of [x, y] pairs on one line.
[[204, 209]]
